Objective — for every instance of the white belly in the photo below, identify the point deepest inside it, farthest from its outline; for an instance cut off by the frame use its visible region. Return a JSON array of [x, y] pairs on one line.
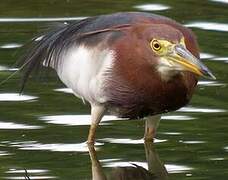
[[83, 70]]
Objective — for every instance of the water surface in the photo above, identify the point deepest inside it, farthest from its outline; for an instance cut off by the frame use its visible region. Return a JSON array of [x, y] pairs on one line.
[[44, 130]]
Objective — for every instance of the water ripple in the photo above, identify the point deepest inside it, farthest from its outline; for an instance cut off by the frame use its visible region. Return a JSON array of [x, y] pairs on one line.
[[178, 117], [210, 83], [213, 57], [79, 120], [32, 173], [11, 125], [30, 177], [152, 7], [55, 147], [129, 141], [221, 1], [64, 90], [213, 26], [173, 168], [76, 120], [15, 97], [4, 68], [217, 159], [11, 46], [201, 110], [192, 142], [172, 133], [4, 153], [206, 56], [41, 19], [225, 59]]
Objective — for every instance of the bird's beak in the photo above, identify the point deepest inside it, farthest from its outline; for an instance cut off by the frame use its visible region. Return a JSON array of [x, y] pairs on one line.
[[189, 62]]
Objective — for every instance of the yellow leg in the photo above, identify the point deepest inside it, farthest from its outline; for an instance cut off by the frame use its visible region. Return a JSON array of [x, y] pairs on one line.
[[151, 125], [97, 112]]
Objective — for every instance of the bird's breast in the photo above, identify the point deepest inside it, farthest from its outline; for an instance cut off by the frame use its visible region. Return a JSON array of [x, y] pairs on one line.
[[147, 94]]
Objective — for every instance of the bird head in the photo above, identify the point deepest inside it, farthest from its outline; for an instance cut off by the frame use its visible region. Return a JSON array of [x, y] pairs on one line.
[[173, 56]]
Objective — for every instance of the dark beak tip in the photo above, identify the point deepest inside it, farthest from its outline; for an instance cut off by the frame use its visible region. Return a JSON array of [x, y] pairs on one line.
[[209, 75], [213, 77]]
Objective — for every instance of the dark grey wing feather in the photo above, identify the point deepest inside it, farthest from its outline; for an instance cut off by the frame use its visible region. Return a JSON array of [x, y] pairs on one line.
[[48, 49]]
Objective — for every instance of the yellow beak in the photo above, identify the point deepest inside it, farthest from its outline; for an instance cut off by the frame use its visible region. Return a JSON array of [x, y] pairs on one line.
[[187, 61]]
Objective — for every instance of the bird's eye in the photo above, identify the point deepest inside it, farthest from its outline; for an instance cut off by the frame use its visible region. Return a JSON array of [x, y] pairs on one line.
[[156, 45]]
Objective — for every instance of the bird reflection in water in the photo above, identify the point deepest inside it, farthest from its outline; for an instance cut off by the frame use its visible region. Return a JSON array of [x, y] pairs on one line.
[[156, 169]]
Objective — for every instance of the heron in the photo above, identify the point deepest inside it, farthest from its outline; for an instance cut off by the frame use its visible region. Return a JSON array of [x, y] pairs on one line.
[[132, 64]]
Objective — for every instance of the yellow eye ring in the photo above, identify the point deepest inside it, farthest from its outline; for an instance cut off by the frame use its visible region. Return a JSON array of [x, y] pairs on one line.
[[156, 45]]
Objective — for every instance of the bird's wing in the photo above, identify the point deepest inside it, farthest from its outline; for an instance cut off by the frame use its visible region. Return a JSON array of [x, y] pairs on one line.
[[47, 50]]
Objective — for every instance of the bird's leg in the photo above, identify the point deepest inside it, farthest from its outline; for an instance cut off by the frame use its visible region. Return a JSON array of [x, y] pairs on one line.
[[97, 112], [151, 125]]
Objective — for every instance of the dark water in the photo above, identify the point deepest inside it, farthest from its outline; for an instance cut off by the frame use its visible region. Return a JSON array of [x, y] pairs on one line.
[[44, 131]]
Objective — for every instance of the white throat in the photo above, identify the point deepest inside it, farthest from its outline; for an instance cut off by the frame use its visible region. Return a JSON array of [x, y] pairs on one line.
[[167, 69], [167, 73]]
